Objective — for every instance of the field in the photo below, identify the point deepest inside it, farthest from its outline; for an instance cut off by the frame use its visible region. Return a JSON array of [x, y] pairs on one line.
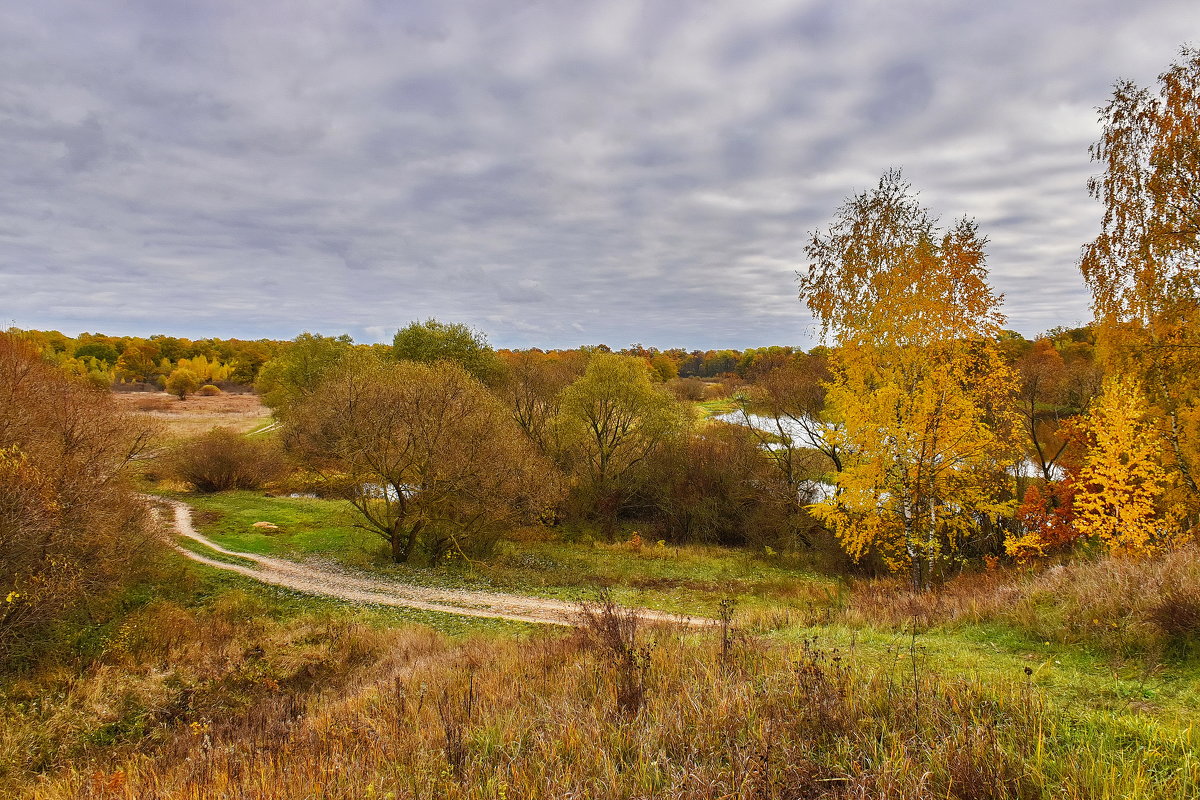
[[572, 566], [197, 414], [211, 684]]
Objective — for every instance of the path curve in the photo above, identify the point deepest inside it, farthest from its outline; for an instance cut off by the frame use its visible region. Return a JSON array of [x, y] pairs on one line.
[[356, 589]]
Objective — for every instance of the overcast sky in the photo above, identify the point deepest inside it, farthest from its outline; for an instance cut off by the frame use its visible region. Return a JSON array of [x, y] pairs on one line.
[[553, 173]]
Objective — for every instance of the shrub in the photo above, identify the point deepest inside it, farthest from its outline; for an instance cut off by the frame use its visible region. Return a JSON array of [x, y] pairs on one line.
[[73, 534], [687, 388], [208, 390], [182, 382], [221, 460], [612, 632], [1177, 616]]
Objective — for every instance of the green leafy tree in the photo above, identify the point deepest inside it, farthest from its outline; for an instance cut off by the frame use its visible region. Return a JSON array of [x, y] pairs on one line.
[[613, 418], [101, 351], [431, 341], [296, 372]]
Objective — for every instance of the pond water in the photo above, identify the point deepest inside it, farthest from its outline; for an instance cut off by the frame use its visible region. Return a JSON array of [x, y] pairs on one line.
[[790, 428]]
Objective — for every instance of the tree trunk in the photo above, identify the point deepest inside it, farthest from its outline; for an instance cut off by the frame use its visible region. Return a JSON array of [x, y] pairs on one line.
[[404, 543], [399, 550], [610, 503]]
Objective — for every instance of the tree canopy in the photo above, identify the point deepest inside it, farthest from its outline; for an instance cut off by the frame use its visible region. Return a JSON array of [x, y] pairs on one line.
[[614, 417], [431, 341], [72, 531], [918, 386], [297, 371], [424, 452], [1143, 266]]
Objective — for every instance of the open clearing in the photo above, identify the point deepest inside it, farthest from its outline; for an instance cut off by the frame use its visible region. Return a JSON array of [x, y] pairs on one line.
[[198, 414]]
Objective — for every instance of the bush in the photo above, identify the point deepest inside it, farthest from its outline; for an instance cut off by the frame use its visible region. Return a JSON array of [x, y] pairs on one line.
[[687, 388], [221, 460], [208, 390], [1177, 617], [73, 534], [182, 382], [714, 486]]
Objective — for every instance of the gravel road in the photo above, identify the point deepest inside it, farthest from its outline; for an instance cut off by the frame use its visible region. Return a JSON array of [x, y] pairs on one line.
[[316, 580]]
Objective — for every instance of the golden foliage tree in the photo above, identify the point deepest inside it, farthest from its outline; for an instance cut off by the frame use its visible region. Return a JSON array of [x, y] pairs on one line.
[[1120, 489], [919, 390], [182, 382], [1143, 267]]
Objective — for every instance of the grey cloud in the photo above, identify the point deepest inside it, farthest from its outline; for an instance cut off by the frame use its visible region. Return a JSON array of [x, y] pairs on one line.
[[85, 144], [901, 90], [555, 173]]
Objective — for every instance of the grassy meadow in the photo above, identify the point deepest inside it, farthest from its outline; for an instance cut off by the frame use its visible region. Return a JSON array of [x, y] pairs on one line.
[[181, 419], [1056, 683], [211, 686], [571, 564]]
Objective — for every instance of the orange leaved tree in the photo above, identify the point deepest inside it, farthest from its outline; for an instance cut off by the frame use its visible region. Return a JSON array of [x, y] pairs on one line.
[[1142, 268]]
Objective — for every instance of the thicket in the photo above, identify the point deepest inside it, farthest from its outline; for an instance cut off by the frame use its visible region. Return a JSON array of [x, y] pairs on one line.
[[221, 460], [73, 533]]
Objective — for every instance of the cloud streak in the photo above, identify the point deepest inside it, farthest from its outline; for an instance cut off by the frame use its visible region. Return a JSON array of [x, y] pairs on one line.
[[553, 173]]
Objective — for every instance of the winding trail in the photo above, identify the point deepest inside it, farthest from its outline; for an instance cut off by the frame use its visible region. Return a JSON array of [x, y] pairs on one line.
[[356, 589]]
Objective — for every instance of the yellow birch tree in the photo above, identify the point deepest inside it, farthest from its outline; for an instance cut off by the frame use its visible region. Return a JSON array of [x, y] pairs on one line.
[[918, 386], [1119, 499]]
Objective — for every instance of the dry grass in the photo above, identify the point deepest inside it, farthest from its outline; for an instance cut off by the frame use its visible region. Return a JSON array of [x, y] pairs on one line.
[[198, 414], [224, 703], [1124, 606]]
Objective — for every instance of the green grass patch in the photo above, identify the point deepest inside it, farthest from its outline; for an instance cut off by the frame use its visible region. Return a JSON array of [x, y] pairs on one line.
[[690, 580], [307, 526], [266, 423], [715, 408], [208, 552], [1085, 684]]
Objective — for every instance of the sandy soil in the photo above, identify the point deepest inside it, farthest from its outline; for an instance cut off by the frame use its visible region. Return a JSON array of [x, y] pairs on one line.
[[356, 589]]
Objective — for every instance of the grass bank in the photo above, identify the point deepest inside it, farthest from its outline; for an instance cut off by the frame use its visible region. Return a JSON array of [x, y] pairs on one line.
[[336, 709]]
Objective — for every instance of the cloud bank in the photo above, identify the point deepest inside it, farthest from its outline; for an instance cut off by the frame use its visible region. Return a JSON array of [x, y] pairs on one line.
[[553, 173]]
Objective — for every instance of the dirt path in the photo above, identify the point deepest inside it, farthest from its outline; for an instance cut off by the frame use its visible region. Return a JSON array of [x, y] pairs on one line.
[[355, 589]]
